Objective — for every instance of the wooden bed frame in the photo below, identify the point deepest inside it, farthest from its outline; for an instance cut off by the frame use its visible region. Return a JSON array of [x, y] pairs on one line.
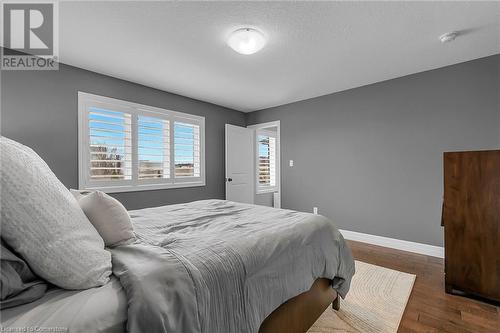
[[299, 313]]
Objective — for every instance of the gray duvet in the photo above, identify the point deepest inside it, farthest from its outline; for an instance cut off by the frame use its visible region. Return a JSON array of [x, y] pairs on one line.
[[219, 266]]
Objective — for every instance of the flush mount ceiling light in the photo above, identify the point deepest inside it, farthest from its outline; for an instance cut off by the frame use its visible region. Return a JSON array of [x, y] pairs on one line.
[[448, 37], [246, 40]]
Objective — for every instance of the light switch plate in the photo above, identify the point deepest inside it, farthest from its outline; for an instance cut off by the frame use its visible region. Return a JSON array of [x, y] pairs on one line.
[[291, 163]]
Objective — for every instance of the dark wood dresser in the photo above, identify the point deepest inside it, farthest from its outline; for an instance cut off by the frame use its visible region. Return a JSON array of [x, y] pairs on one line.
[[471, 219]]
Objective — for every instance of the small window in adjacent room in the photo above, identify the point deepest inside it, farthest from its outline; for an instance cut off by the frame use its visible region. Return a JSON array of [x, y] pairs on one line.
[[267, 168], [126, 146]]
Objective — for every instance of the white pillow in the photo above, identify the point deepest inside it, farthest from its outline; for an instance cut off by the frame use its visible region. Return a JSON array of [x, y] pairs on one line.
[[43, 222], [108, 216]]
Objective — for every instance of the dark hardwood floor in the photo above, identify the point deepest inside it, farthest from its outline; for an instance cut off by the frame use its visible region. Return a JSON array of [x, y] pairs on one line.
[[430, 309]]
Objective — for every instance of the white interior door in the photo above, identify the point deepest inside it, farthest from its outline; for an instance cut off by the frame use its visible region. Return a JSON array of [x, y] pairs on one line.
[[239, 164]]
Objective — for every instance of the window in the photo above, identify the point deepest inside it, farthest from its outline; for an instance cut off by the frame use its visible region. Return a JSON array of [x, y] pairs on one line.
[[267, 160], [153, 144], [110, 144], [126, 146], [187, 149]]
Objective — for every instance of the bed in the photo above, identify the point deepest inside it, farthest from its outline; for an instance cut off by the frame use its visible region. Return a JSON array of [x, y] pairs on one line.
[[102, 309], [208, 266]]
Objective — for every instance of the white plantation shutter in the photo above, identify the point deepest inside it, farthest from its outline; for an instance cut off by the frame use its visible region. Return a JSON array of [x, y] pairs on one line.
[[110, 144], [266, 161], [153, 147], [272, 161], [267, 158], [186, 150], [125, 146]]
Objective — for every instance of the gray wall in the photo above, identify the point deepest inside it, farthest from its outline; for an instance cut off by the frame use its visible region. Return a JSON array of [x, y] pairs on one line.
[[371, 158], [377, 148], [40, 109]]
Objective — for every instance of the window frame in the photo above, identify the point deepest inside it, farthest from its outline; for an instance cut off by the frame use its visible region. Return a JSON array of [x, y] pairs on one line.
[[261, 128], [87, 100]]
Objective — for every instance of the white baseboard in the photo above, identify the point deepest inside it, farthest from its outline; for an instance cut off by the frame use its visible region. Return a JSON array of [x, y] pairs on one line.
[[429, 250]]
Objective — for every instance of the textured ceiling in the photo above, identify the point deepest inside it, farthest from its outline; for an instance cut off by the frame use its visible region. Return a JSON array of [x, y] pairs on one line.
[[314, 48]]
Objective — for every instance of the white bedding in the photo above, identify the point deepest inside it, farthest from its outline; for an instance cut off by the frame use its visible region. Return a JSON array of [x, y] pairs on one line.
[[102, 309], [43, 223]]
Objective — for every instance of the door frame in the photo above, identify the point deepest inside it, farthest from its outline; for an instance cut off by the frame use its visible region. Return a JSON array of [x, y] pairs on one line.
[[256, 127]]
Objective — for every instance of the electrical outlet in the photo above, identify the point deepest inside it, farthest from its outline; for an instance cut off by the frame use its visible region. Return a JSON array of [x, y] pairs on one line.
[[315, 210], [291, 163]]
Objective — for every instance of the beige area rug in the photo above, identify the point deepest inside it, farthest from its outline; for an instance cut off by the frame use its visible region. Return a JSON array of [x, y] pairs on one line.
[[375, 303]]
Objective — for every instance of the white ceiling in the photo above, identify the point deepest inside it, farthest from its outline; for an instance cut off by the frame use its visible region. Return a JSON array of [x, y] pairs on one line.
[[314, 48]]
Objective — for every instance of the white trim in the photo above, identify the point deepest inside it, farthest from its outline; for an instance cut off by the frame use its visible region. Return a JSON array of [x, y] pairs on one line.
[[271, 189], [134, 109], [264, 125], [143, 187], [429, 250]]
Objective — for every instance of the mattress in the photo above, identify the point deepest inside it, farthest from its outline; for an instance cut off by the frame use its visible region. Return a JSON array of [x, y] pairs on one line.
[[102, 309]]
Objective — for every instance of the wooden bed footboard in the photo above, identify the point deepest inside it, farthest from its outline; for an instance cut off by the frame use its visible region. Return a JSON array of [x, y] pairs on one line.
[[299, 313]]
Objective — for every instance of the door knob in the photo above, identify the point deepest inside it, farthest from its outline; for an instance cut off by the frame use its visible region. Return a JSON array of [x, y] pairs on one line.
[[229, 179]]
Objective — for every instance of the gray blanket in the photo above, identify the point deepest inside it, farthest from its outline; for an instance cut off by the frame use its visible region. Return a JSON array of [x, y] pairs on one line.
[[18, 284], [220, 266]]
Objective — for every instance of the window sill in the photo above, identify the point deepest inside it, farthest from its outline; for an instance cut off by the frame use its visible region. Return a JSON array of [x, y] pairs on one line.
[[145, 187], [266, 190]]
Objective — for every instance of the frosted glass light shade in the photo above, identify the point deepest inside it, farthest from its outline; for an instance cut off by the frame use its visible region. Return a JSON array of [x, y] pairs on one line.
[[246, 40]]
